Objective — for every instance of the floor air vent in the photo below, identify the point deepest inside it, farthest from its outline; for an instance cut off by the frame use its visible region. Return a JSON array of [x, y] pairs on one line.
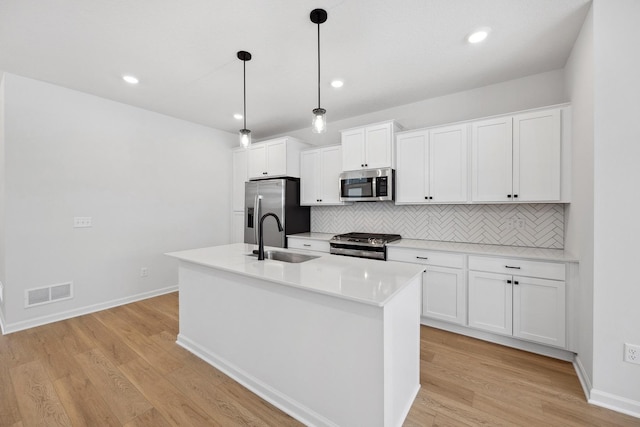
[[48, 294]]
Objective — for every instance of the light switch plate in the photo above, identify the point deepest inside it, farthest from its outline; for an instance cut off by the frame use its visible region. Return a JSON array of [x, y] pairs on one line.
[[82, 221]]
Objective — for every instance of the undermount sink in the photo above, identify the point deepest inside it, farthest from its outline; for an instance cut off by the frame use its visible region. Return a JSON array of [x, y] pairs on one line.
[[285, 256]]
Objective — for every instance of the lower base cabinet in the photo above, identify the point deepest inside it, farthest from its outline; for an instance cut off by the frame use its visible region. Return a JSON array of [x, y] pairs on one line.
[[444, 285], [443, 294], [530, 308]]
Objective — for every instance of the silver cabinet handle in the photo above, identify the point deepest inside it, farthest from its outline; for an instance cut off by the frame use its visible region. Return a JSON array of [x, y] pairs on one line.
[[515, 268], [422, 257]]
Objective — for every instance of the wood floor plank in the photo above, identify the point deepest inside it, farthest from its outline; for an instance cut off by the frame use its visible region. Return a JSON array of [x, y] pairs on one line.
[[106, 340], [121, 396], [151, 418], [122, 324], [37, 399], [82, 402], [9, 412], [213, 398], [177, 409]]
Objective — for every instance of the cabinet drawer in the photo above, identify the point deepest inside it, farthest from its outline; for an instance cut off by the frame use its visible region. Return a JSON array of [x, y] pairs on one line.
[[419, 256], [307, 244], [517, 267]]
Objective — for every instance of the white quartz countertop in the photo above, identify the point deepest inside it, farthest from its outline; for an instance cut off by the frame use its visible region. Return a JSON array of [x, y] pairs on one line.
[[362, 280], [542, 254], [493, 250]]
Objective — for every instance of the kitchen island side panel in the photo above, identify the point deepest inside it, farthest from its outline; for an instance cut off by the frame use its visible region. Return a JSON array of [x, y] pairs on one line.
[[319, 358]]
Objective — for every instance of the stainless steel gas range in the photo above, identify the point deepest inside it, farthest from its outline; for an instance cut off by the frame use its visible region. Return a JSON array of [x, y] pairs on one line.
[[362, 245]]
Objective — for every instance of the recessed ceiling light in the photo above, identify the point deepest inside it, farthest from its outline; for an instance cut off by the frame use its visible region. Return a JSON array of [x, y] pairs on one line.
[[237, 116], [337, 83], [478, 35], [130, 79]]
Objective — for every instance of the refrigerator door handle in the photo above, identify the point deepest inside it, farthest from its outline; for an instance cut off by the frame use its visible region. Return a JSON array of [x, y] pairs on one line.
[[256, 217]]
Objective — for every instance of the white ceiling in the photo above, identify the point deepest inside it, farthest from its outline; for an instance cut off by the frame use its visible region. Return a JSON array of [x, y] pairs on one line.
[[388, 53]]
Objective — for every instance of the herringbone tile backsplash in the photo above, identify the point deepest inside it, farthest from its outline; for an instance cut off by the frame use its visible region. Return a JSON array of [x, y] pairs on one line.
[[543, 224]]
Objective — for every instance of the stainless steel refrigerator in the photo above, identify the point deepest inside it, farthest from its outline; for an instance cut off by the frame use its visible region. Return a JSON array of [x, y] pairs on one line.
[[280, 196]]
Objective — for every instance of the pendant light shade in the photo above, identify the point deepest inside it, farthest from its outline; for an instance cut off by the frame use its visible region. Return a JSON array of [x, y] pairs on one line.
[[244, 133], [319, 123]]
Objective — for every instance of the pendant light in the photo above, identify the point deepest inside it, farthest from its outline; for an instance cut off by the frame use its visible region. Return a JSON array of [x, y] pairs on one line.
[[245, 134], [319, 123]]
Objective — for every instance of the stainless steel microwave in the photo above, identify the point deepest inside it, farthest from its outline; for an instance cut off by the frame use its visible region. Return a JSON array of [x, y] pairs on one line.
[[370, 185]]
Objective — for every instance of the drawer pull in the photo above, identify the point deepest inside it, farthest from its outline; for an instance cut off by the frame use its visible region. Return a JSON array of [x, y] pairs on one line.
[[306, 244], [422, 257], [509, 281], [515, 268], [515, 282]]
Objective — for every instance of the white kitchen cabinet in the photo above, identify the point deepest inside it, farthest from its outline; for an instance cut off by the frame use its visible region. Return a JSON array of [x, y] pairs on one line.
[[275, 158], [369, 147], [432, 166], [525, 299], [319, 174], [443, 282], [517, 158], [240, 176]]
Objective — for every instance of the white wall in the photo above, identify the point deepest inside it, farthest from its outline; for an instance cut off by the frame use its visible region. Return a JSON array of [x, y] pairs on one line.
[[616, 203], [579, 73], [151, 183], [520, 94], [2, 268]]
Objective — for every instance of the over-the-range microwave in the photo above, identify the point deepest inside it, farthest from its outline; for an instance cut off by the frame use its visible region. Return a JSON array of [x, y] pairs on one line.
[[369, 185]]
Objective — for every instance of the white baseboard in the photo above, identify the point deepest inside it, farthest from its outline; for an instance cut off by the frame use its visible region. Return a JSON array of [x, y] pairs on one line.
[[283, 402], [615, 403], [39, 321], [2, 322], [583, 376]]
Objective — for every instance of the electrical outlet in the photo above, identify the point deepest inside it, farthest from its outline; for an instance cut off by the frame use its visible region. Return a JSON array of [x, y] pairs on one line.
[[632, 353], [519, 224], [144, 272], [82, 221]]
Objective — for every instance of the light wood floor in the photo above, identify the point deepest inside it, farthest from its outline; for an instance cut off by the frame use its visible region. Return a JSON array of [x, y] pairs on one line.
[[121, 367]]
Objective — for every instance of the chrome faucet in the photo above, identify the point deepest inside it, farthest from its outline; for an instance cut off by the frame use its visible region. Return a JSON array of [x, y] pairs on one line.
[[260, 233]]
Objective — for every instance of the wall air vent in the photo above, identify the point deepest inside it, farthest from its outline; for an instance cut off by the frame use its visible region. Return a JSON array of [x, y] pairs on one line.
[[48, 294]]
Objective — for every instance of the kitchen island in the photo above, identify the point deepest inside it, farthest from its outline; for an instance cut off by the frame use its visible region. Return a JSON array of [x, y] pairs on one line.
[[333, 341]]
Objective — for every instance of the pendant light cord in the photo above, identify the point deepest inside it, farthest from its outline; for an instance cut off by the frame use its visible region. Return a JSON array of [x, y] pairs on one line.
[[318, 65], [244, 90]]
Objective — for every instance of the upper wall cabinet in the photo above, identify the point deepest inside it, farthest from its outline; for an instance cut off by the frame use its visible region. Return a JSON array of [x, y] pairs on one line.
[[518, 158], [369, 147], [319, 174], [432, 165], [275, 158]]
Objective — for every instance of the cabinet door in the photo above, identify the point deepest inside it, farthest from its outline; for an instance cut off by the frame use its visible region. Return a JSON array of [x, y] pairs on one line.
[[444, 294], [411, 174], [277, 158], [239, 177], [257, 164], [331, 166], [539, 310], [353, 149], [536, 156], [237, 227], [491, 302], [378, 146], [448, 164], [491, 160], [309, 177]]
